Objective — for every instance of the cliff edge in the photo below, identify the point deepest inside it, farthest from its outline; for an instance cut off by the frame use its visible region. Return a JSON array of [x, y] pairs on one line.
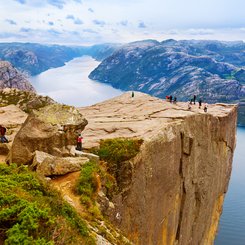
[[177, 182]]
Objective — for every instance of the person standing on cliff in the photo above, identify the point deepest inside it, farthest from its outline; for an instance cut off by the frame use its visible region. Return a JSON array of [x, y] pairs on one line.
[[205, 107], [194, 99], [132, 95], [3, 130], [200, 103], [79, 142]]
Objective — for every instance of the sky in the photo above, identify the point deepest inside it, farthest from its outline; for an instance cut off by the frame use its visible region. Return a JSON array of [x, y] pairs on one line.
[[87, 22]]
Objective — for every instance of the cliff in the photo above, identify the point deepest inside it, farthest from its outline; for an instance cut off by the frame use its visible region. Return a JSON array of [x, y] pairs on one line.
[[175, 186]]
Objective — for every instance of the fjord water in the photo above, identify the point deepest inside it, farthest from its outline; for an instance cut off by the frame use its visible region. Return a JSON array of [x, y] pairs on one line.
[[232, 222], [70, 84]]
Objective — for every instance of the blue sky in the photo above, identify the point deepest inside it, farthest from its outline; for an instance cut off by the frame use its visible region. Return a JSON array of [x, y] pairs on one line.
[[88, 22]]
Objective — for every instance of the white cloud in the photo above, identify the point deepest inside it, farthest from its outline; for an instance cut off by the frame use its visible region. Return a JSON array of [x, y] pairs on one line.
[[121, 21]]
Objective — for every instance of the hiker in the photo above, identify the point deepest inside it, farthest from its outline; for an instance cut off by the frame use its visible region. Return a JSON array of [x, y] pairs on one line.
[[205, 107], [175, 100], [3, 130], [194, 99], [132, 95], [167, 98], [200, 103], [170, 98], [79, 142]]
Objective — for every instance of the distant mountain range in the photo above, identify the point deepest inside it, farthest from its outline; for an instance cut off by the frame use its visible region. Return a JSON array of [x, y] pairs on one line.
[[33, 58], [212, 70]]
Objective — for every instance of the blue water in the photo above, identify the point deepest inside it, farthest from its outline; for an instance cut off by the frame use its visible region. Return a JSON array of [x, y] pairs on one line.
[[232, 222], [70, 84]]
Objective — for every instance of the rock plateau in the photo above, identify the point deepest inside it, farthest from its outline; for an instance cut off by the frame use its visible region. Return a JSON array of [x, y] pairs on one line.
[[180, 176]]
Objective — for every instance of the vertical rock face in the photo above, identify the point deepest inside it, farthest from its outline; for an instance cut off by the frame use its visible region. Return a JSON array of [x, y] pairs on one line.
[[179, 182], [181, 174]]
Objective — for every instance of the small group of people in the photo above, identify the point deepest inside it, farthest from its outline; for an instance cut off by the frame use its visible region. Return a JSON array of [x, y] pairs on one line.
[[170, 99], [3, 138], [193, 101]]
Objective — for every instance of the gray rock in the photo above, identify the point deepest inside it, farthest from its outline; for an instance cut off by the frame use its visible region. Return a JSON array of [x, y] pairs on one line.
[[48, 165]]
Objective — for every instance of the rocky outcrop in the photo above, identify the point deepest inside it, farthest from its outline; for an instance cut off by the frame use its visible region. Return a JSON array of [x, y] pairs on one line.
[[12, 78], [25, 100], [52, 129], [180, 176], [48, 165]]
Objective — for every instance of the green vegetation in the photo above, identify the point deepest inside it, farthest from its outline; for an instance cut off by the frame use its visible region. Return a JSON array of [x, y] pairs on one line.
[[32, 213], [27, 101], [116, 151], [92, 177]]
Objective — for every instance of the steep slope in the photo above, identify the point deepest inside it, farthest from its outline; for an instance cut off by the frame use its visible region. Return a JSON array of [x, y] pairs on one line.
[[177, 182], [10, 77]]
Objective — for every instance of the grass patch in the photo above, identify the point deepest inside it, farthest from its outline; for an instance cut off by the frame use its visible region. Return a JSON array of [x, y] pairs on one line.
[[32, 213], [116, 151]]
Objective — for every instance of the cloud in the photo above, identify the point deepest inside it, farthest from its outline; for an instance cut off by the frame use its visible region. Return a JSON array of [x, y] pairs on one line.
[[124, 23], [57, 3], [23, 29], [99, 22], [197, 31], [21, 1], [77, 21], [78, 1], [54, 32], [142, 25], [70, 17], [11, 22], [90, 31], [6, 35], [51, 23], [91, 10]]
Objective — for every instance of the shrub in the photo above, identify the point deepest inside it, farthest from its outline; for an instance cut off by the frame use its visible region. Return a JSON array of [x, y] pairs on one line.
[[30, 212], [118, 150]]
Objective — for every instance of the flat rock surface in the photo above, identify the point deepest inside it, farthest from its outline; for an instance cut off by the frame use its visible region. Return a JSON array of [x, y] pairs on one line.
[[141, 116]]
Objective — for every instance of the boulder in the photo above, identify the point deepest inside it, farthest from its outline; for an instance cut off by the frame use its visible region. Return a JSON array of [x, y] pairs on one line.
[[52, 129], [90, 156], [48, 165], [4, 148]]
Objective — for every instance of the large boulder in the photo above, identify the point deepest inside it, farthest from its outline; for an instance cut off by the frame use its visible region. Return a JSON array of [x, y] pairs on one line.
[[48, 165], [52, 129]]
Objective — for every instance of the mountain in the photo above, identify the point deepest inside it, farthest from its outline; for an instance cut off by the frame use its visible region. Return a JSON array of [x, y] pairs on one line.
[[10, 77], [33, 58], [180, 68], [213, 70]]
